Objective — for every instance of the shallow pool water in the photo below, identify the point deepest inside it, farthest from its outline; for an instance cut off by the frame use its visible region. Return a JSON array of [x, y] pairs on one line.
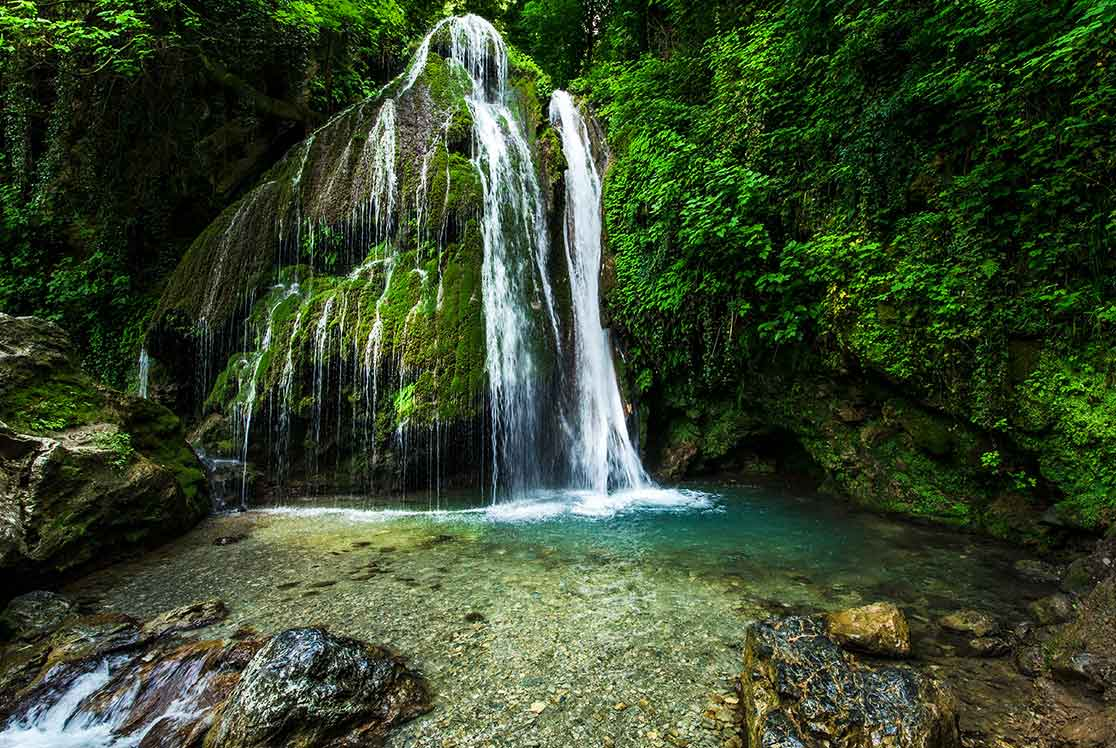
[[622, 616]]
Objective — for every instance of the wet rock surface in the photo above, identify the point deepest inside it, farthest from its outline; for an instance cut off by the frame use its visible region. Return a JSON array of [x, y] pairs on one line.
[[879, 628], [799, 688], [145, 684], [307, 687]]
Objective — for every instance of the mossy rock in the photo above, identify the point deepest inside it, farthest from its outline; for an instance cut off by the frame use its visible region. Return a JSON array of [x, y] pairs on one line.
[[89, 474]]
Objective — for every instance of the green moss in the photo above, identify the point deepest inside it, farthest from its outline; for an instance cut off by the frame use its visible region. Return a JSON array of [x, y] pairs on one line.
[[1074, 399], [54, 404]]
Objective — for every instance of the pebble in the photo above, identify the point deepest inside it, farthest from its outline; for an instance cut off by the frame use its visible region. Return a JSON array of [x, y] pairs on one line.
[[537, 707]]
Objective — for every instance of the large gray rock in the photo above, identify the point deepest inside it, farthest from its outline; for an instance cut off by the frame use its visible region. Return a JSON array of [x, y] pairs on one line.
[[800, 689], [308, 687], [86, 473]]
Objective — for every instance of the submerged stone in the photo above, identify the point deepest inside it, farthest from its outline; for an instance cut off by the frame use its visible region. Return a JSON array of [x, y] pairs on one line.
[[969, 622], [186, 618]]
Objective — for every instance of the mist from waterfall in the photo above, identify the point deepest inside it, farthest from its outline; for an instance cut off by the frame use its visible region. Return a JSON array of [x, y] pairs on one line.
[[601, 452]]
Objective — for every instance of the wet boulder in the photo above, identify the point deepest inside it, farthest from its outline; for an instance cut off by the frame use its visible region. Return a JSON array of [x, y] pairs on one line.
[[307, 687], [799, 688], [971, 622], [87, 474], [879, 628], [34, 615]]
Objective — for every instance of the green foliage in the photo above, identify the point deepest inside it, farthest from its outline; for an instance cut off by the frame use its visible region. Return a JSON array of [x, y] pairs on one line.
[[907, 189], [128, 124], [49, 406], [120, 444]]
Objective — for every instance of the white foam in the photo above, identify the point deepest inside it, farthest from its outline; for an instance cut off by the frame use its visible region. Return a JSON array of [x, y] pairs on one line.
[[541, 506], [62, 724]]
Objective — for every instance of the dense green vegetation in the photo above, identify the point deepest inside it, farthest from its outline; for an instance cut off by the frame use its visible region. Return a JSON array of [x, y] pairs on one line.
[[129, 124], [921, 193], [882, 230]]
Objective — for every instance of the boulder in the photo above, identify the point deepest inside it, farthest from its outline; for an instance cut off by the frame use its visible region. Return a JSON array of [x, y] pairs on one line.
[[34, 615], [1087, 571], [307, 687], [87, 474], [970, 622], [879, 628], [799, 688], [1052, 609]]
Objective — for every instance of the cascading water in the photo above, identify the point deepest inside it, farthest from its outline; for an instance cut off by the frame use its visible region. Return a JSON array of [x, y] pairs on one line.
[[514, 277], [600, 450], [415, 214], [144, 372]]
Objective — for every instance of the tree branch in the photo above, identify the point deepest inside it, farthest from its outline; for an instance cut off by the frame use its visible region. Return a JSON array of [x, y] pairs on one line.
[[287, 110]]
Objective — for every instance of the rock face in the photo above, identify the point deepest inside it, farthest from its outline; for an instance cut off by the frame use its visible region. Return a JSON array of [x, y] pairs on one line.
[[800, 689], [1070, 654], [879, 628], [86, 473], [148, 686], [310, 688]]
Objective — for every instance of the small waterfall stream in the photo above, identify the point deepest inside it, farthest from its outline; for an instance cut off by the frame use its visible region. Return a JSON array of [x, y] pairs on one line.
[[144, 373], [600, 449]]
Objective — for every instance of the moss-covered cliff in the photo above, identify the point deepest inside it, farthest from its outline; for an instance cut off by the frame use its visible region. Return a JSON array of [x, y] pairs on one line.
[[333, 317]]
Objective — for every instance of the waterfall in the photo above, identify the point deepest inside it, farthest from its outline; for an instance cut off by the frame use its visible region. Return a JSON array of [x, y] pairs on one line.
[[513, 274], [144, 372], [599, 448], [371, 243]]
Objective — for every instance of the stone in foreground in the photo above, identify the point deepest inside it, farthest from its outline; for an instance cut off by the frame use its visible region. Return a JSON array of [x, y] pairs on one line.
[[801, 689], [969, 622], [307, 687], [879, 629]]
